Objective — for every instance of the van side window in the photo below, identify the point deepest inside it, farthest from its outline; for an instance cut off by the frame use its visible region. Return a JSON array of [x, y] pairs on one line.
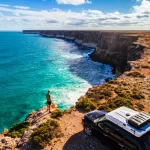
[[118, 133], [107, 127], [104, 127], [115, 132]]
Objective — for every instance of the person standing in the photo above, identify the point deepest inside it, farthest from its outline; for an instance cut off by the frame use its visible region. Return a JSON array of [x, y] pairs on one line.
[[49, 101]]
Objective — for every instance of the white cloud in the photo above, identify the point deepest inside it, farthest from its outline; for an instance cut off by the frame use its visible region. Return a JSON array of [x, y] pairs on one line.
[[21, 7], [1, 14], [18, 19], [4, 5], [144, 7], [73, 2]]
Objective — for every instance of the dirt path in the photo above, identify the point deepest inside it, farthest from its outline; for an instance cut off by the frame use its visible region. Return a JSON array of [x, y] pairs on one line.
[[74, 138]]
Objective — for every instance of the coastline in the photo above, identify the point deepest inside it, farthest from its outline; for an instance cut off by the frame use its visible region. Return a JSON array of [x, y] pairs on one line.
[[111, 47], [136, 74], [72, 79]]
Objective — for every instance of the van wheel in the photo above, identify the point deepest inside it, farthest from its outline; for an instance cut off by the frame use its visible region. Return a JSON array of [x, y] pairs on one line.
[[88, 130]]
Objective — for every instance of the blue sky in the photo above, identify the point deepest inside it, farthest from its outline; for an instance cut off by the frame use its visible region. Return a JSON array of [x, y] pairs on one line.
[[75, 14], [104, 5]]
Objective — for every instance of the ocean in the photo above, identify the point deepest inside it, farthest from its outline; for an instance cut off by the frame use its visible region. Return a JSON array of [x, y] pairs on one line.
[[30, 65]]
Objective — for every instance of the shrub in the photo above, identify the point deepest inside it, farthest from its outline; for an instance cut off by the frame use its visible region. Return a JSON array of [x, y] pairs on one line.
[[135, 74], [107, 93], [140, 106], [115, 103], [113, 82], [138, 95], [57, 113], [121, 93], [146, 66], [124, 83], [43, 135], [18, 129], [86, 104], [118, 90]]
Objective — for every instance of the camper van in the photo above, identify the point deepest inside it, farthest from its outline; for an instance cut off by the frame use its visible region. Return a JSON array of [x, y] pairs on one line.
[[122, 128]]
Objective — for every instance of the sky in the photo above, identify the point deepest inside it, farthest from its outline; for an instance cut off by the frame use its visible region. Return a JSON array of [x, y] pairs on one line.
[[75, 14]]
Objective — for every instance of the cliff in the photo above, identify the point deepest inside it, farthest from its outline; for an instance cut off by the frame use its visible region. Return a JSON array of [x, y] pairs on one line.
[[125, 51], [114, 48]]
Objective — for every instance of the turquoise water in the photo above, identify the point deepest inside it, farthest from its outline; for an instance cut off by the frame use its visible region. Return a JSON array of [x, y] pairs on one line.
[[30, 65]]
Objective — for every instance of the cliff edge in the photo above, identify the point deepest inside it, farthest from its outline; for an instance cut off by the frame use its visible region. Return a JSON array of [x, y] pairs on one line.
[[129, 54]]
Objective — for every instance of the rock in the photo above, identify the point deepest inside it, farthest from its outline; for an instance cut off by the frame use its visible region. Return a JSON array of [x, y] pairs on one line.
[[60, 36], [3, 140], [89, 45], [8, 143], [69, 38], [5, 131]]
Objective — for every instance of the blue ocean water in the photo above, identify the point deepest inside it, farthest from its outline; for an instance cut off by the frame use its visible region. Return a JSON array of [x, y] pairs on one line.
[[30, 65]]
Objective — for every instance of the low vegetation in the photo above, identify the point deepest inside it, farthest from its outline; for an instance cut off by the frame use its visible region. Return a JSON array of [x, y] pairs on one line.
[[115, 103], [140, 106], [18, 129], [87, 104], [57, 113], [103, 92], [113, 81], [43, 135], [145, 66], [135, 74], [138, 95], [111, 95]]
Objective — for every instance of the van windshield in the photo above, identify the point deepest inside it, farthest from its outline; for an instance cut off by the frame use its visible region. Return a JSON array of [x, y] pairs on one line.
[[99, 119]]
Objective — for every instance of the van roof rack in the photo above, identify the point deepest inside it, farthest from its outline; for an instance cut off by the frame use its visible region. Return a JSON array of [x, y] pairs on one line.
[[137, 123]]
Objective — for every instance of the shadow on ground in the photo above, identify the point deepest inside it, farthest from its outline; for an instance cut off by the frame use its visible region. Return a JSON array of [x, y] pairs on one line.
[[80, 141]]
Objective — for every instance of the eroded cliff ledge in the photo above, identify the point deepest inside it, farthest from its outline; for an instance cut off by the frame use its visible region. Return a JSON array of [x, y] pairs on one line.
[[111, 47]]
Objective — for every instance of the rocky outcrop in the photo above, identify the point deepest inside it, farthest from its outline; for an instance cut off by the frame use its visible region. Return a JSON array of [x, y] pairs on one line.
[[8, 143], [114, 48]]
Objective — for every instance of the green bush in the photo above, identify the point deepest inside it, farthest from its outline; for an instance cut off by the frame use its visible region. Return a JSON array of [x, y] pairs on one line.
[[138, 95], [118, 90], [43, 135], [57, 113], [106, 93], [135, 74], [140, 106], [115, 103], [113, 81], [121, 93], [18, 129], [87, 104]]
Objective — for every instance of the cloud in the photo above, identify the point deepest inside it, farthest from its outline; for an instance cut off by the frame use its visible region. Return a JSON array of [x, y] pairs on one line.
[[142, 16], [73, 2], [21, 7], [4, 5], [54, 19], [1, 14], [144, 7]]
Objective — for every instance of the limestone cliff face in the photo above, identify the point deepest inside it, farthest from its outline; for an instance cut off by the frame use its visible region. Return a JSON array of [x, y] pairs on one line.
[[114, 48]]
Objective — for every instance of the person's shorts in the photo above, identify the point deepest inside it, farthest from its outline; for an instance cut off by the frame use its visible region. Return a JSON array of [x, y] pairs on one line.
[[49, 103]]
